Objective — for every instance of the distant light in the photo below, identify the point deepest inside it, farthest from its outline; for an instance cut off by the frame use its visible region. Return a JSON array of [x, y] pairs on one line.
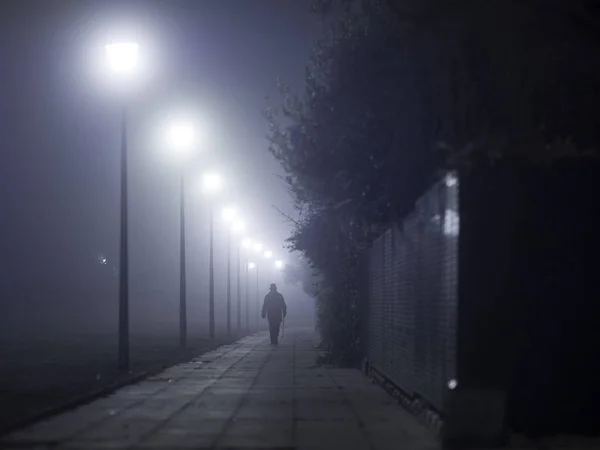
[[251, 265], [238, 226], [123, 56], [451, 180], [246, 242], [229, 213], [212, 182], [451, 223], [181, 136], [279, 264], [452, 384], [268, 254], [257, 247]]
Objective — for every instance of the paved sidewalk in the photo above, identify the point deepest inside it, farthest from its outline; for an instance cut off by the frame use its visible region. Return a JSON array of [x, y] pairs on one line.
[[247, 395]]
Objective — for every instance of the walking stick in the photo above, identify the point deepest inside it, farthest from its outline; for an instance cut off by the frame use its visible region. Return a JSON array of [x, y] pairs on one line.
[[282, 327]]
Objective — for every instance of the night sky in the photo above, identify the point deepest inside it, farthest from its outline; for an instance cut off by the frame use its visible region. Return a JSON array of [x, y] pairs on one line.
[[59, 140]]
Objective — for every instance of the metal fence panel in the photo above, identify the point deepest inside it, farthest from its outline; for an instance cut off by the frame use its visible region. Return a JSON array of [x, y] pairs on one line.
[[412, 296]]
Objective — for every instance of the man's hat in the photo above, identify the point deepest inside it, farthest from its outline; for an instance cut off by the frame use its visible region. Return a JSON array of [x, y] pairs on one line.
[[273, 286]]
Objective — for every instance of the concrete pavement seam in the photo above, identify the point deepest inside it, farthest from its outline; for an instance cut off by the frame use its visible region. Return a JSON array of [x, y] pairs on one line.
[[241, 403], [106, 418], [82, 400], [165, 422], [348, 404]]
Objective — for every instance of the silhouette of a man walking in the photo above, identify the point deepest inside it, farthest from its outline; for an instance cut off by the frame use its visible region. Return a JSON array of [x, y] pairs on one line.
[[275, 309]]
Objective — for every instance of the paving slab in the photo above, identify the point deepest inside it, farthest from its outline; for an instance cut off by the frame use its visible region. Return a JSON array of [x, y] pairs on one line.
[[248, 395]]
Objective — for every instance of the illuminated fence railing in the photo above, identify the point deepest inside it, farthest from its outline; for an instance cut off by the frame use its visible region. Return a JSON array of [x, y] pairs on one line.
[[412, 289]]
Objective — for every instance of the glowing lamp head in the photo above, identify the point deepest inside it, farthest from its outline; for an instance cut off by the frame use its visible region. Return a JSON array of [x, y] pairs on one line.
[[181, 136], [268, 254], [251, 265], [279, 264], [452, 384], [238, 226], [212, 183], [122, 56], [228, 214], [451, 180]]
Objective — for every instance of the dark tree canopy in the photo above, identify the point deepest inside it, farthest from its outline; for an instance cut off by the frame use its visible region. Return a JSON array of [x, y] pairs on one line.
[[401, 89]]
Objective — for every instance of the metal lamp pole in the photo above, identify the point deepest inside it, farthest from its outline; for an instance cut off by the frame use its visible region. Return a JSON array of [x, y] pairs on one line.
[[247, 296], [211, 305], [257, 303], [228, 283], [239, 292], [124, 255], [182, 280]]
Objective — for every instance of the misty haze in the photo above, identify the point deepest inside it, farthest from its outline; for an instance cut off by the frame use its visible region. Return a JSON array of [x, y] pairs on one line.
[[299, 224]]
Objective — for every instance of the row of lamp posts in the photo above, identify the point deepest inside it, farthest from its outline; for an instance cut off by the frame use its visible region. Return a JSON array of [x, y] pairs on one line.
[[122, 58]]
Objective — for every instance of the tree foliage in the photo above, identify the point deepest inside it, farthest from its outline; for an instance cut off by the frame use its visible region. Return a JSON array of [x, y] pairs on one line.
[[400, 89]]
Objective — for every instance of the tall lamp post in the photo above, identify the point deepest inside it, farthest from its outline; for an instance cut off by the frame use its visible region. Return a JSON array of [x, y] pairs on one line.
[[228, 215], [238, 227], [239, 290], [246, 244], [122, 58], [257, 248], [249, 266], [252, 265], [279, 265], [212, 183], [181, 139], [268, 254]]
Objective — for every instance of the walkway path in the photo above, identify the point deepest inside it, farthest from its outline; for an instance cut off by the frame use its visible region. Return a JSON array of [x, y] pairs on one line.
[[247, 395]]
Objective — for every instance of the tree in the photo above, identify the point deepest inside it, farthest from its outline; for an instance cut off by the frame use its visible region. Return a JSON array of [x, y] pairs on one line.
[[400, 89]]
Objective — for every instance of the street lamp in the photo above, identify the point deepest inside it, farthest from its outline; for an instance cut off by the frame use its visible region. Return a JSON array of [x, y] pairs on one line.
[[238, 227], [254, 266], [212, 183], [122, 58], [181, 138], [268, 254], [279, 264], [247, 245], [228, 215]]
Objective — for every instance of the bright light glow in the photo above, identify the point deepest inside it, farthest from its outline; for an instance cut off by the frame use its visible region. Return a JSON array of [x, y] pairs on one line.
[[268, 254], [238, 226], [212, 182], [122, 57], [452, 384], [451, 223], [257, 247], [251, 265], [181, 136], [279, 264], [246, 242], [229, 214], [451, 180]]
